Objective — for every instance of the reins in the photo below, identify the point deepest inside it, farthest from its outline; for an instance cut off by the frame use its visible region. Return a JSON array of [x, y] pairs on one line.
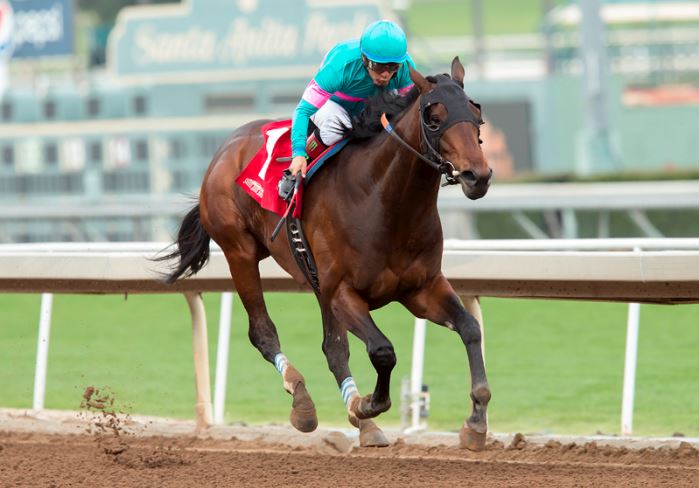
[[453, 97], [442, 165]]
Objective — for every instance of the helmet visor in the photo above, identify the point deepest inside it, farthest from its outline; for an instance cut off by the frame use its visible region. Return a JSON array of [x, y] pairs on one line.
[[381, 67]]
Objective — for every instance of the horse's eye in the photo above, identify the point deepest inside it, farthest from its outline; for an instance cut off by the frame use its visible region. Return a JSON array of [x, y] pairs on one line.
[[434, 120]]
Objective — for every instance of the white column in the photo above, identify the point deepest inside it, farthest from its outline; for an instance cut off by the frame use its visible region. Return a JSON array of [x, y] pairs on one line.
[[42, 351], [416, 373], [200, 348], [224, 340], [630, 361], [630, 368]]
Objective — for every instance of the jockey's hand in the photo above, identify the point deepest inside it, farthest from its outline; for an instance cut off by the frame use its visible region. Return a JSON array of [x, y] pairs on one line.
[[298, 164]]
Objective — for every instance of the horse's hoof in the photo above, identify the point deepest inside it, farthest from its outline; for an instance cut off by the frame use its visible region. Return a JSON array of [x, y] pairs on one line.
[[370, 435], [471, 440], [303, 412], [362, 407], [305, 421], [356, 412]]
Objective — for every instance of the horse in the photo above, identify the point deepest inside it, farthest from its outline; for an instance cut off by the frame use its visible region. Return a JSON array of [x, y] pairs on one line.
[[372, 224]]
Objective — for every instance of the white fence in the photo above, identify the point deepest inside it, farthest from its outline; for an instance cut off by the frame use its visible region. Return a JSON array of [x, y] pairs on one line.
[[628, 270], [559, 203]]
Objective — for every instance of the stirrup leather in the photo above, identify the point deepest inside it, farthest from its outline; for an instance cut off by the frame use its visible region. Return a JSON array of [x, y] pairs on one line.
[[302, 253]]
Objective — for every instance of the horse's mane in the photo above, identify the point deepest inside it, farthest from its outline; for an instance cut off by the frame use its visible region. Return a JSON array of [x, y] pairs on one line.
[[367, 123]]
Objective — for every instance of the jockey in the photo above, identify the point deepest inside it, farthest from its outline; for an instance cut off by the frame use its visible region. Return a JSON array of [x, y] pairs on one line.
[[351, 72]]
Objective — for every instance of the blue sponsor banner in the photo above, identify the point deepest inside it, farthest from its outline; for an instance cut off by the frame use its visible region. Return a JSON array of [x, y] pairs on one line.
[[42, 28], [233, 36]]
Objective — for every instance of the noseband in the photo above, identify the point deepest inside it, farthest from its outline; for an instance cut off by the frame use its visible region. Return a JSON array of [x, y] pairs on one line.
[[448, 93]]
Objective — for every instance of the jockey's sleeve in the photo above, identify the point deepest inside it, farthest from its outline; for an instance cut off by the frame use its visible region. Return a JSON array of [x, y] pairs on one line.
[[299, 127], [327, 81]]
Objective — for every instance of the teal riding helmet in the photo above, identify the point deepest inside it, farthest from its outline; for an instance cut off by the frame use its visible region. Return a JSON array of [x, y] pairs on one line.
[[384, 42]]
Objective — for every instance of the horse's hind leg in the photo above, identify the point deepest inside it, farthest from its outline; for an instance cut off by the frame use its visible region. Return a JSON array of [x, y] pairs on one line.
[[263, 335], [438, 303]]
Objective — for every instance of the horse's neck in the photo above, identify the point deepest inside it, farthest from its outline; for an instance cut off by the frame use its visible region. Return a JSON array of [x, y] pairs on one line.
[[404, 180], [394, 190]]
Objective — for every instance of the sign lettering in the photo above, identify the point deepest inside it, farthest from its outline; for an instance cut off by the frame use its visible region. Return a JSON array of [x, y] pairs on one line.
[[241, 35]]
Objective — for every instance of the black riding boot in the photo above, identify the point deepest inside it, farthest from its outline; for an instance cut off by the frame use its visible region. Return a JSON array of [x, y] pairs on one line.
[[314, 146]]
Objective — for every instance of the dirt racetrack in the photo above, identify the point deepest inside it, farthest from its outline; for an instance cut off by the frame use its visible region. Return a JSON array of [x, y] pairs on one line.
[[69, 449]]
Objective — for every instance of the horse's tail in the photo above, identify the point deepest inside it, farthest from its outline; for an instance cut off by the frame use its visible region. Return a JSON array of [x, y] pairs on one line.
[[192, 248]]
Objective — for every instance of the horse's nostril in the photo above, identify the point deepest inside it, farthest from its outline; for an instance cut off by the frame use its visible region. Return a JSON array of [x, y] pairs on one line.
[[469, 176]]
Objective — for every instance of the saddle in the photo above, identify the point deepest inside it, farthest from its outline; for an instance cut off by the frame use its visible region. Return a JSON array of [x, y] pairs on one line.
[[267, 180], [261, 177]]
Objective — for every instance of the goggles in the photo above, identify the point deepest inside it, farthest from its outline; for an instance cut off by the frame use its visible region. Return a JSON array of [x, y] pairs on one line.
[[381, 68]]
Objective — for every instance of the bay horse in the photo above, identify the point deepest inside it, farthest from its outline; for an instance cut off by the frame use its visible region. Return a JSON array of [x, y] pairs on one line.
[[371, 221]]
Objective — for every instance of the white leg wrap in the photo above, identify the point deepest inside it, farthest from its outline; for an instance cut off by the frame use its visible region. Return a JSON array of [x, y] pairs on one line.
[[282, 365], [281, 362], [348, 390]]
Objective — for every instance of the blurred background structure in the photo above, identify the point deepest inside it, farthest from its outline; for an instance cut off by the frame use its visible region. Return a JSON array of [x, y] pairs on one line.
[[110, 110]]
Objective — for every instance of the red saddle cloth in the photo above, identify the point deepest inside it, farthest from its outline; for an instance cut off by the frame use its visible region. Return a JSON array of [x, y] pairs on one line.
[[261, 175]]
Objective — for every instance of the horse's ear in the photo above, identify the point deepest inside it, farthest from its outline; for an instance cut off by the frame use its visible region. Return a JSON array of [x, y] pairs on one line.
[[420, 82], [457, 71]]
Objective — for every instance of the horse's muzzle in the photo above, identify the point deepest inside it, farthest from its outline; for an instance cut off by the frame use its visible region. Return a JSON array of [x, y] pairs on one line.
[[473, 184]]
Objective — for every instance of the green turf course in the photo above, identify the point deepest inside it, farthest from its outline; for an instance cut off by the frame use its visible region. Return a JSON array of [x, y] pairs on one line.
[[435, 18], [554, 366]]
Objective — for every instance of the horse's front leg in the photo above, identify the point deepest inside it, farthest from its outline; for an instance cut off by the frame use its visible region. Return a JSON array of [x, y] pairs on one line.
[[353, 312], [347, 311], [438, 303]]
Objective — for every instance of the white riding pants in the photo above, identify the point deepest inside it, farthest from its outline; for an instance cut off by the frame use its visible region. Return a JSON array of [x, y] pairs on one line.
[[331, 119]]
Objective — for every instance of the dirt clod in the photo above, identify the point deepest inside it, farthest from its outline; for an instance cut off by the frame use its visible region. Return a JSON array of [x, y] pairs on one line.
[[518, 442], [336, 442]]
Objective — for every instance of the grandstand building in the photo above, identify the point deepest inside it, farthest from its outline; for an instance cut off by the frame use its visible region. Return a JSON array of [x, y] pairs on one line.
[[179, 78], [110, 154]]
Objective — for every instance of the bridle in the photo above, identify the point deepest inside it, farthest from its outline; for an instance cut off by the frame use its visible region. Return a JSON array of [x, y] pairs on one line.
[[457, 104]]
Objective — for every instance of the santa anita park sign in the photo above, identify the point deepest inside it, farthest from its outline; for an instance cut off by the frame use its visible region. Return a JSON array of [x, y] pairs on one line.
[[253, 37]]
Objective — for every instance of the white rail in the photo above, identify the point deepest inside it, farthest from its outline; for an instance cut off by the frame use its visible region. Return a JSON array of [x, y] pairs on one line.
[[578, 196], [610, 244], [628, 270], [77, 214]]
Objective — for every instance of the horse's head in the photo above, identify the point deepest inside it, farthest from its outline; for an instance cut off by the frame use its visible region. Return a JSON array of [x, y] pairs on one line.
[[450, 124]]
